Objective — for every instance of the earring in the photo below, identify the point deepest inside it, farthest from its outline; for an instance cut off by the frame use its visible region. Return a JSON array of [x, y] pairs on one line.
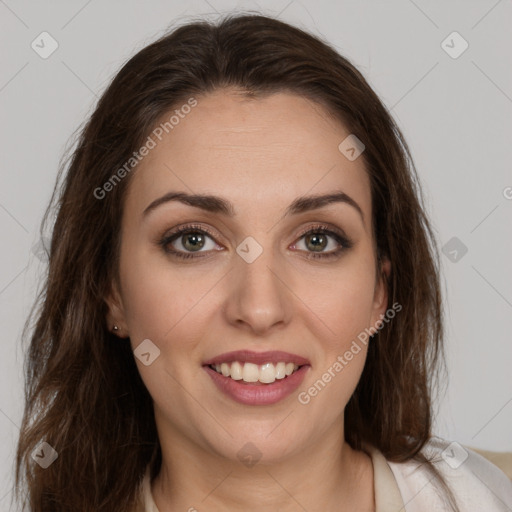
[[115, 328]]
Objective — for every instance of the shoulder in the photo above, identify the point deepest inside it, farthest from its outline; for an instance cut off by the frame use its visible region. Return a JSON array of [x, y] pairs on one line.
[[476, 482]]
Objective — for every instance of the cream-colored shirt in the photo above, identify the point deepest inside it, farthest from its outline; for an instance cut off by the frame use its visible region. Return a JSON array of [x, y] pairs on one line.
[[478, 484]]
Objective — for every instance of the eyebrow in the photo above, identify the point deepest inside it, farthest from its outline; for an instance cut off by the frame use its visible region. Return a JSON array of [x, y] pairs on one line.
[[216, 204]]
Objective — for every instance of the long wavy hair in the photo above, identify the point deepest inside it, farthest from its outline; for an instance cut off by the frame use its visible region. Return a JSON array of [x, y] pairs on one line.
[[83, 393]]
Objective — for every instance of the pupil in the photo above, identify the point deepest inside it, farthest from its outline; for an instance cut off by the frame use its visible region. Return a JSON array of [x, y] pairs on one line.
[[317, 246], [198, 241]]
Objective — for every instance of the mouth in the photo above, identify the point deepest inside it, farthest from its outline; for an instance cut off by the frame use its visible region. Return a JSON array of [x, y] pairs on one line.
[[257, 378], [250, 373]]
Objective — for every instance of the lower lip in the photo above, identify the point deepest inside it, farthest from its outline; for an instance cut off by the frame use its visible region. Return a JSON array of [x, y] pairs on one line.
[[258, 394]]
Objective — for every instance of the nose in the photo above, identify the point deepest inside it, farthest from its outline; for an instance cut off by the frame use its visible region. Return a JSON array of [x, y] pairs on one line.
[[258, 299]]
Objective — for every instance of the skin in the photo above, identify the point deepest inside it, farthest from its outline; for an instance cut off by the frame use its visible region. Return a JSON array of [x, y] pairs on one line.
[[260, 154]]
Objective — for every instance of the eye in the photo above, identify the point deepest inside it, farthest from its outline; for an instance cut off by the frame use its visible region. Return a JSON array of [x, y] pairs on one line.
[[318, 238], [191, 240]]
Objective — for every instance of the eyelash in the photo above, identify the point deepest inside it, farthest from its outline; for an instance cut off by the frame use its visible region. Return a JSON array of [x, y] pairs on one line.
[[194, 228]]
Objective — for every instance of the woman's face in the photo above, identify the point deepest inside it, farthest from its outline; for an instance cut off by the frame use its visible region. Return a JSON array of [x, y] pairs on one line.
[[251, 280]]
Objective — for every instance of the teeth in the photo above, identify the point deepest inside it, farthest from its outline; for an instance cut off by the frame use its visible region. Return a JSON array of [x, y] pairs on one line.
[[235, 371], [280, 370], [250, 372], [224, 368]]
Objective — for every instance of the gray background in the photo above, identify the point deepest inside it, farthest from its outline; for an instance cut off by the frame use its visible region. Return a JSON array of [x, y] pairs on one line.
[[455, 114]]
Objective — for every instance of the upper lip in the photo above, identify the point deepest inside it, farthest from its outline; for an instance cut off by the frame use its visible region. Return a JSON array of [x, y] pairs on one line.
[[247, 356]]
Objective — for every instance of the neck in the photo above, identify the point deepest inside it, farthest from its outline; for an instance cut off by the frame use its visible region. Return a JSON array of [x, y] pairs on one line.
[[327, 475]]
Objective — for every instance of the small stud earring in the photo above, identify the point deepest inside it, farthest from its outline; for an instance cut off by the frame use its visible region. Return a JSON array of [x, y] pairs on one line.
[[115, 328]]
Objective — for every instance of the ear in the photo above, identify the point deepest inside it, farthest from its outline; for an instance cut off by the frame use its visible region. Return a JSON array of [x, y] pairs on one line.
[[116, 313], [380, 297]]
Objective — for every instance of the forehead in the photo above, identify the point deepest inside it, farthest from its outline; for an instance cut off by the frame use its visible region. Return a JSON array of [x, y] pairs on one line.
[[260, 153]]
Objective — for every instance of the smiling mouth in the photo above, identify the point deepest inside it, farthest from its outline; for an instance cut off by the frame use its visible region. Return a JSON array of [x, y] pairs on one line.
[[251, 373]]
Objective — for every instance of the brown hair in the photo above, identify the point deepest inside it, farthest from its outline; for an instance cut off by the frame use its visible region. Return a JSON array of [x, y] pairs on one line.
[[83, 392]]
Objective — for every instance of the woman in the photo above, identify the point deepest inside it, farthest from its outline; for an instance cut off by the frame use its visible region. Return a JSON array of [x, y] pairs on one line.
[[242, 310]]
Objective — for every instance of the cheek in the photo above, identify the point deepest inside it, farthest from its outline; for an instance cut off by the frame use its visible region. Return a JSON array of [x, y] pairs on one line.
[[341, 301], [339, 309], [158, 298], [328, 392]]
